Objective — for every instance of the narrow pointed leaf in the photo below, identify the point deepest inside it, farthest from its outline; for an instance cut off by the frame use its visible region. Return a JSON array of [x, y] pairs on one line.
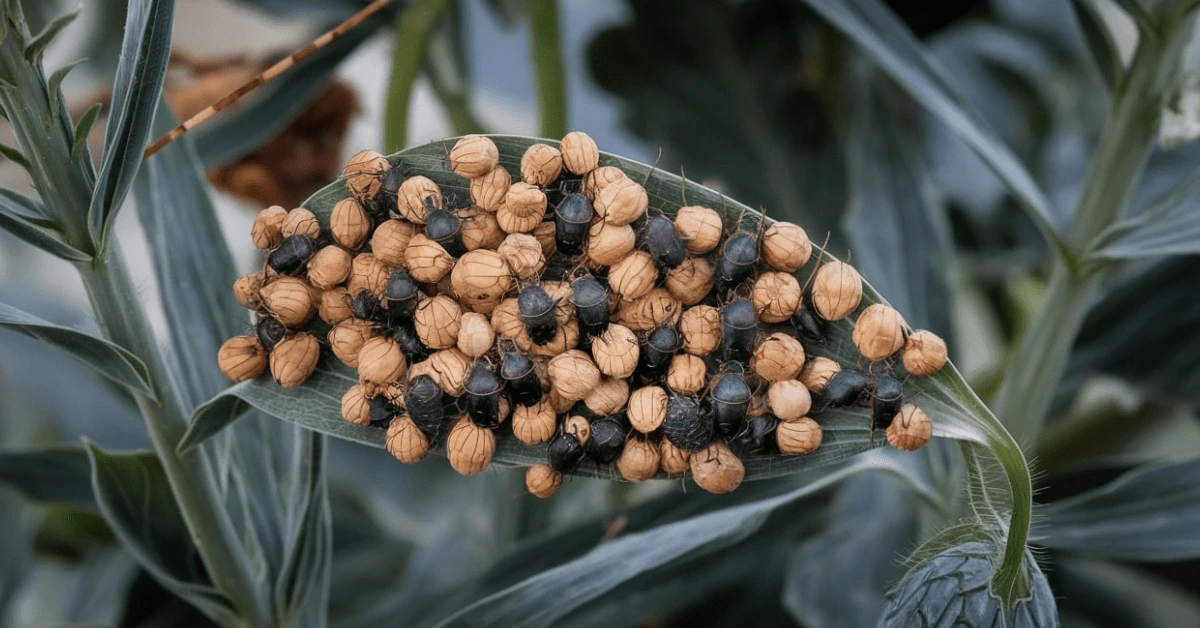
[[1100, 42], [1150, 514], [56, 475], [17, 216], [1170, 227], [137, 86], [108, 359], [889, 42], [136, 499], [54, 84], [83, 128], [14, 155], [954, 409], [37, 45], [302, 588]]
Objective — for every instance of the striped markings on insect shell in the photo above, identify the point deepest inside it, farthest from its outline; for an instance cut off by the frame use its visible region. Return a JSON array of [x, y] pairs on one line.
[[686, 351]]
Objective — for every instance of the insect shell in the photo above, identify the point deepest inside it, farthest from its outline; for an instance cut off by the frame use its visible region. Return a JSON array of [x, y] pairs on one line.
[[808, 325], [483, 396], [660, 346], [759, 436], [405, 334], [443, 227], [401, 296], [886, 399]]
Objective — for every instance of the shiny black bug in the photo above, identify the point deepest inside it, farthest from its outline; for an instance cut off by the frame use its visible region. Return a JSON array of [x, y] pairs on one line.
[[664, 244], [606, 442], [658, 348], [382, 411], [423, 400], [367, 307], [809, 326], [269, 332], [521, 382], [887, 396], [758, 436], [571, 221], [736, 262], [443, 227], [536, 310], [292, 254], [739, 326], [401, 296], [685, 425], [730, 399], [590, 298], [844, 389], [564, 453], [483, 396]]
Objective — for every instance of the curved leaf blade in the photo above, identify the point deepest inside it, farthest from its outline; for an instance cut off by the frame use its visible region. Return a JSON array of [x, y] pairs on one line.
[[1150, 514], [136, 89], [37, 45], [889, 42], [106, 358], [55, 475], [16, 212], [1170, 227], [955, 410]]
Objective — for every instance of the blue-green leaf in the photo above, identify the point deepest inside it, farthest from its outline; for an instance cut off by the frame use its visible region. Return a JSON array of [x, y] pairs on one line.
[[1150, 514], [302, 587], [14, 155], [83, 128], [1100, 42], [136, 499], [108, 359], [136, 89], [19, 215], [37, 45], [54, 84], [885, 38], [952, 589], [1170, 227], [57, 475]]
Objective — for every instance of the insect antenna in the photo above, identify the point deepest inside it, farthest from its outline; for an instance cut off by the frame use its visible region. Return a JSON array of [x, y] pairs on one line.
[[270, 73]]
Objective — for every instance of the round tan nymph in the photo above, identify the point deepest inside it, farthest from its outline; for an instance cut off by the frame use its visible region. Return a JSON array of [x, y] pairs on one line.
[[246, 288], [534, 424], [241, 358], [639, 460], [405, 441], [335, 305], [523, 253], [798, 437], [622, 202], [608, 244], [691, 280], [789, 399], [700, 329], [356, 408], [924, 353], [609, 397], [300, 221], [716, 469], [474, 156], [364, 173], [686, 374], [368, 273], [525, 199], [294, 359], [479, 229], [469, 447], [541, 165], [542, 481], [616, 351], [475, 335], [349, 224], [598, 179], [267, 231], [346, 339], [778, 357], [512, 222], [578, 427], [580, 155], [506, 319], [289, 300], [657, 307], [544, 234], [427, 260], [671, 459], [647, 408], [481, 276], [633, 277], [910, 429], [437, 322], [413, 195], [380, 362], [448, 367], [391, 240], [573, 374], [879, 332], [776, 296], [488, 191], [329, 267], [700, 228], [836, 290], [817, 372], [785, 247]]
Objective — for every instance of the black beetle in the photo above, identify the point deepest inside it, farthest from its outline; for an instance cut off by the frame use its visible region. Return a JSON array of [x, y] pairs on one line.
[[685, 425], [292, 254], [739, 326], [382, 411], [571, 222], [736, 262], [887, 397], [423, 400], [758, 437], [367, 307], [536, 310], [606, 442], [590, 298], [664, 244], [401, 295], [483, 396], [445, 228], [808, 325], [410, 343], [269, 332], [659, 347], [521, 382], [564, 453], [844, 388], [730, 398]]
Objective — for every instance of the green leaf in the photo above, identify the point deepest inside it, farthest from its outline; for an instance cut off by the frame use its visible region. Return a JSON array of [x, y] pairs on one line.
[[953, 589], [702, 81], [1105, 52], [37, 45], [137, 86], [82, 129], [19, 216], [415, 22], [56, 475], [136, 499], [1146, 24], [54, 85], [889, 42], [14, 155], [108, 359], [243, 129], [545, 598], [302, 588], [1149, 514], [954, 409], [896, 223], [1169, 227], [548, 67]]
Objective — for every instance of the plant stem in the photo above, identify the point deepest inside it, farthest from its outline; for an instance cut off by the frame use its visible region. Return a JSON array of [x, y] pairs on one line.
[[548, 65], [413, 27], [122, 320]]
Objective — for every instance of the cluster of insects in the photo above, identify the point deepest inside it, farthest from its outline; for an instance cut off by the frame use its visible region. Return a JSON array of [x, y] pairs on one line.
[[560, 305]]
